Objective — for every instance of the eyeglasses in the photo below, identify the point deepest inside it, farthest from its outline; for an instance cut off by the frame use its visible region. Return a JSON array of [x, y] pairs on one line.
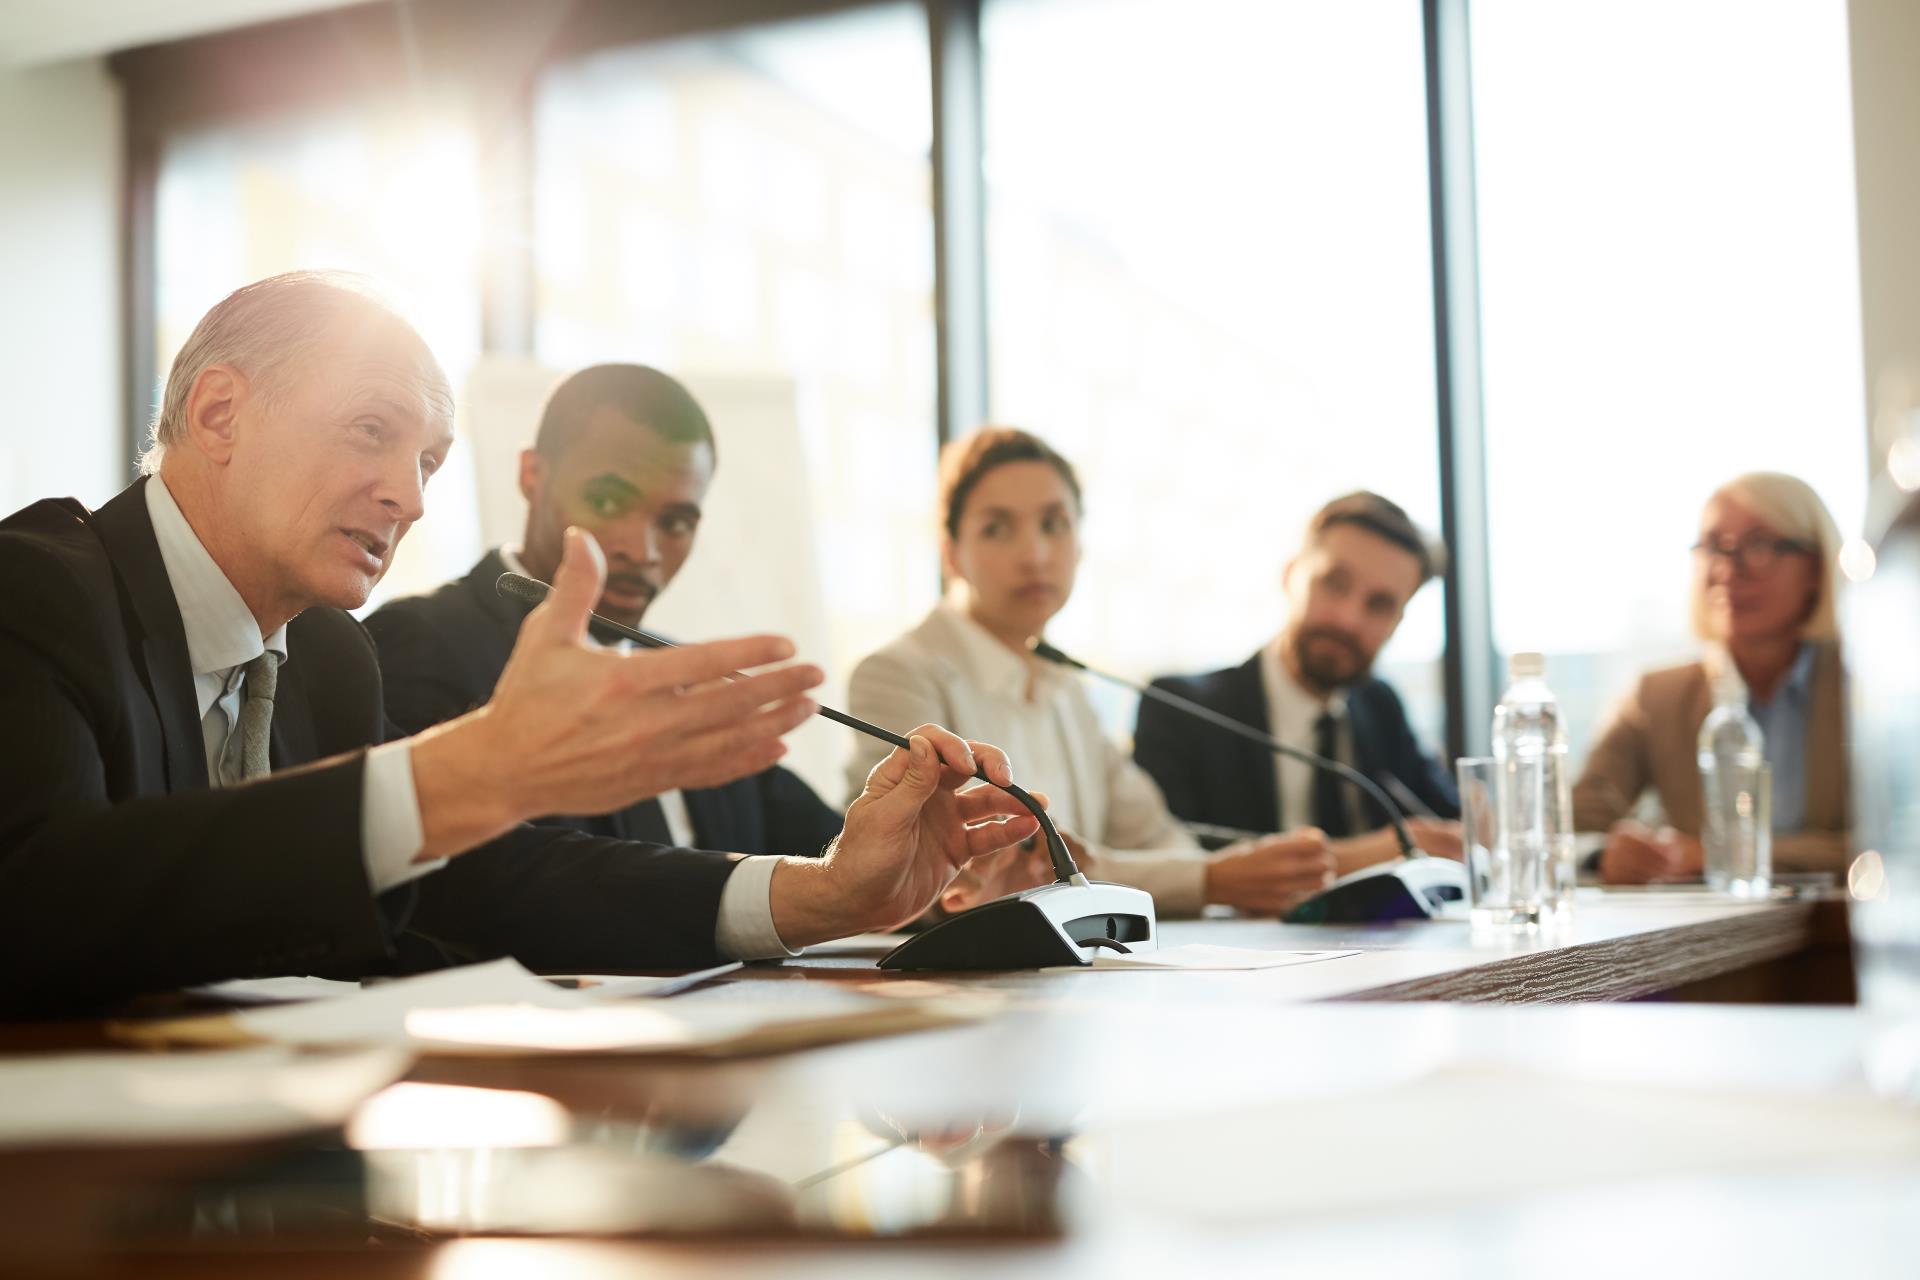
[[1757, 553]]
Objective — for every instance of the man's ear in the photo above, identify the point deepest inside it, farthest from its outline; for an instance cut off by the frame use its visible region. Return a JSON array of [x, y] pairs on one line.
[[214, 403], [533, 474]]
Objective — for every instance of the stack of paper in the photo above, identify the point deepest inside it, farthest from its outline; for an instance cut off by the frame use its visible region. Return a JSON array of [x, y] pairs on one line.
[[502, 1009]]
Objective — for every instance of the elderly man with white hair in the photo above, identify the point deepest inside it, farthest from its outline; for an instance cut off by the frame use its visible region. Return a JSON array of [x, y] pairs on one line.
[[199, 780]]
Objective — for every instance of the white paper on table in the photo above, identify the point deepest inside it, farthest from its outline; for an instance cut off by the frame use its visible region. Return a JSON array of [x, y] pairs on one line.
[[378, 1013], [859, 944], [1199, 955], [500, 1008], [273, 990], [224, 1095]]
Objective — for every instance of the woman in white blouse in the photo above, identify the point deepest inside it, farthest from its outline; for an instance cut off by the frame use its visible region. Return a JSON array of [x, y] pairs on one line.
[[1010, 511]]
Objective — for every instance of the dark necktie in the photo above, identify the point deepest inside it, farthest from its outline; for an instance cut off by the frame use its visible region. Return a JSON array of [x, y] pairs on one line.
[[1329, 800], [647, 823]]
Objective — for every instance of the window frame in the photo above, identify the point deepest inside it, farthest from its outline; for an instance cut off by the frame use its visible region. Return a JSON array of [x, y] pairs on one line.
[[338, 55]]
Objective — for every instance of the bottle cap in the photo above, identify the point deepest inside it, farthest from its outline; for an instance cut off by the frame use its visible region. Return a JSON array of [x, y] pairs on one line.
[[1522, 666]]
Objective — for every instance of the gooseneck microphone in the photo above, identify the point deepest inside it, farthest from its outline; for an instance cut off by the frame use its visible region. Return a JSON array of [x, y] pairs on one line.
[[1041, 649], [1043, 926], [1417, 886], [533, 591]]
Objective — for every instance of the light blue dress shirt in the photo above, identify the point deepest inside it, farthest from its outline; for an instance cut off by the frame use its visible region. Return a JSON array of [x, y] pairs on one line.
[[1783, 724]]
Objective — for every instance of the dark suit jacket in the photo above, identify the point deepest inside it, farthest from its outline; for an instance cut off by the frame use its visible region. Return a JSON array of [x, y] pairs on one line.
[[120, 871], [441, 655], [1209, 775]]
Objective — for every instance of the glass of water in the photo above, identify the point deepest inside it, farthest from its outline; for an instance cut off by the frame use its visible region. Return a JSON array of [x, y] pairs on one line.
[[1504, 892]]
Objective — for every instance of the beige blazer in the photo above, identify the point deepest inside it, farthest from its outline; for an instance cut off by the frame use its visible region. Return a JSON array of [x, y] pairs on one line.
[[948, 671], [1652, 741]]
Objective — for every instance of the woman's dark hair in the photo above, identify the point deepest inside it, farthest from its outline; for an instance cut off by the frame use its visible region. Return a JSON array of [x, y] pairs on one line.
[[964, 461]]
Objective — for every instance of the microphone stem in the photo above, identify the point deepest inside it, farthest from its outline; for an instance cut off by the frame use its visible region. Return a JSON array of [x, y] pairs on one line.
[[1064, 868], [1399, 823]]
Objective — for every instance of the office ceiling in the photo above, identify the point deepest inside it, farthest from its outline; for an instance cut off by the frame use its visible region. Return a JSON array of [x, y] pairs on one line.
[[34, 32]]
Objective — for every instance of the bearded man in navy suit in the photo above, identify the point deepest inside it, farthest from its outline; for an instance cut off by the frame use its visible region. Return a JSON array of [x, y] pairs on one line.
[[1312, 687]]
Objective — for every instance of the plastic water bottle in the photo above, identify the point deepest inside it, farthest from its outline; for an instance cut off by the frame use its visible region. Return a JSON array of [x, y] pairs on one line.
[[1535, 795], [1736, 827]]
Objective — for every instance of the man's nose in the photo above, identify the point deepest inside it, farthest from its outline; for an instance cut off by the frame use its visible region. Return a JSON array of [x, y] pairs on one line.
[[404, 491], [1346, 614], [637, 540]]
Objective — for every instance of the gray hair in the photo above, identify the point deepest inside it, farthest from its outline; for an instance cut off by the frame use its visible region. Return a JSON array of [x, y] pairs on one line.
[[266, 330]]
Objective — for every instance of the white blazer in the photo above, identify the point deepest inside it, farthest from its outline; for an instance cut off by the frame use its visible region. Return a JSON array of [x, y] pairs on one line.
[[951, 671]]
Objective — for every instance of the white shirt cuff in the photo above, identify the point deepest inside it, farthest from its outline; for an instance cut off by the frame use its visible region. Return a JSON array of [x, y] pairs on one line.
[[745, 930], [390, 830]]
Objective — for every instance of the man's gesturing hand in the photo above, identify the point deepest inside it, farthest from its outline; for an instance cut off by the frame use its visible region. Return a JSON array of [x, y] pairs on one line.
[[907, 834], [577, 728]]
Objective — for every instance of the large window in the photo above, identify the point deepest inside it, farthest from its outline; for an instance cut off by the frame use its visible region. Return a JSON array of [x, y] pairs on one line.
[[1210, 286], [1208, 262], [1669, 298], [388, 191], [752, 211]]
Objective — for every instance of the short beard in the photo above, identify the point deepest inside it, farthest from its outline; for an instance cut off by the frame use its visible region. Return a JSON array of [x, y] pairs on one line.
[[1320, 672]]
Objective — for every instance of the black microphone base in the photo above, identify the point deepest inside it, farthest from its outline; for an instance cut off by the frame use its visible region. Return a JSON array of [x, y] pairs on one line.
[[1055, 924], [1409, 889]]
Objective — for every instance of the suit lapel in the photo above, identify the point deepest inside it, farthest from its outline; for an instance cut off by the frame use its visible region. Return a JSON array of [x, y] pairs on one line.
[[711, 817], [506, 614], [1362, 732], [1246, 701], [127, 533]]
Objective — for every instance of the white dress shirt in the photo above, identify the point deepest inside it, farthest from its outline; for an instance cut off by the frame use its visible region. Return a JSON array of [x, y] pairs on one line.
[[223, 636], [950, 670], [744, 929], [1291, 714]]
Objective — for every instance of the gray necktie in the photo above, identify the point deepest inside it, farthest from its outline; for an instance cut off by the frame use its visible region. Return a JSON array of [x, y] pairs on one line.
[[256, 715]]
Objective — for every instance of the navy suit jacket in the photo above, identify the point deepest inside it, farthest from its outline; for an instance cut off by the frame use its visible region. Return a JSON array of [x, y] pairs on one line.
[[122, 872], [1209, 775], [442, 653]]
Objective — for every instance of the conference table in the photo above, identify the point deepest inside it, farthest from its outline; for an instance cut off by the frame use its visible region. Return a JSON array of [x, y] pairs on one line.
[[1423, 1100]]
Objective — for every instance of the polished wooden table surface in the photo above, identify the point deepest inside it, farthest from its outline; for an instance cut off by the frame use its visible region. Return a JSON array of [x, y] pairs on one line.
[[1277, 1122], [1621, 945]]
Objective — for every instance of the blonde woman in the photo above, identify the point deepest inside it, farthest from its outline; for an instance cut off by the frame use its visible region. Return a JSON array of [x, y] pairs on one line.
[[1010, 544], [1763, 599]]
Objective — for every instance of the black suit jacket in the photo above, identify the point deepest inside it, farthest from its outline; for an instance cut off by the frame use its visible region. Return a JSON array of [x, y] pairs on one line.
[[121, 871], [1209, 775], [441, 654]]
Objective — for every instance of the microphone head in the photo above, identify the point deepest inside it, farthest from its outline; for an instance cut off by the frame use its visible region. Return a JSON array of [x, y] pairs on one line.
[[1041, 649], [516, 586]]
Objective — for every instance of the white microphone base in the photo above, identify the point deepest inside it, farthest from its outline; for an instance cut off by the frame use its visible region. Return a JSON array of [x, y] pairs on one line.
[[1406, 889]]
